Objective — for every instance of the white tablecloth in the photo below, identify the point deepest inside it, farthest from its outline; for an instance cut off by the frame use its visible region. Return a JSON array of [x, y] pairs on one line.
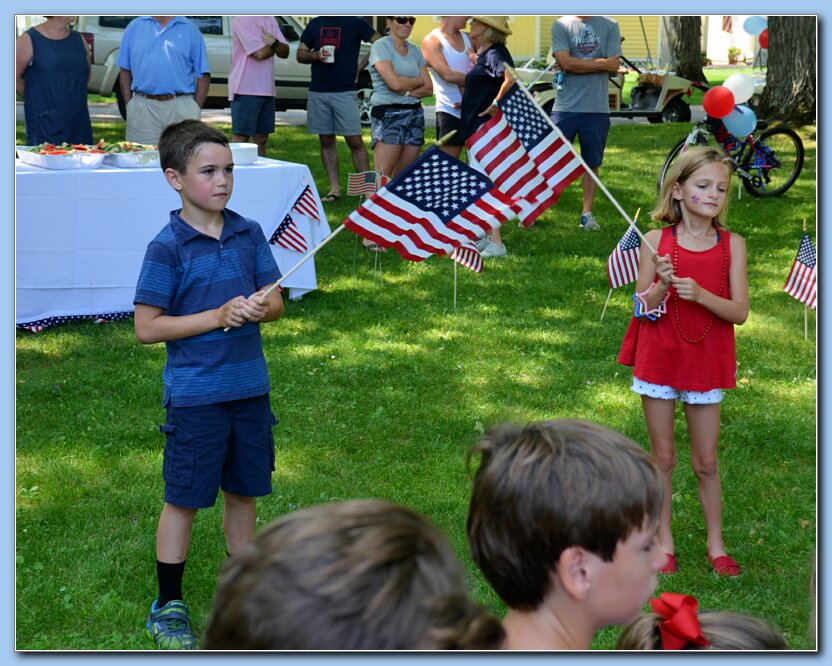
[[81, 234]]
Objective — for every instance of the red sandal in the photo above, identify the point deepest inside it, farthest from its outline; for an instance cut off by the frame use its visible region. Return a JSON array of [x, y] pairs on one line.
[[670, 566], [724, 565]]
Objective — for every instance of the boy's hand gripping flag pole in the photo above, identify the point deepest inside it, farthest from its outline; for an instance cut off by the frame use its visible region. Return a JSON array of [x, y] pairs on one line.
[[589, 171]]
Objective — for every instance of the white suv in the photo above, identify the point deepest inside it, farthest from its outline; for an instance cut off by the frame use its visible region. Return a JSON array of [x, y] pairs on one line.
[[104, 33]]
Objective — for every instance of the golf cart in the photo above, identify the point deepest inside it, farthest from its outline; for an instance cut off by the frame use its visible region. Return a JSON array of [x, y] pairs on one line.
[[659, 97]]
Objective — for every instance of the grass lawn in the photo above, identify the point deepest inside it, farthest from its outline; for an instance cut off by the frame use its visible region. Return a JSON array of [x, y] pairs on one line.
[[381, 387]]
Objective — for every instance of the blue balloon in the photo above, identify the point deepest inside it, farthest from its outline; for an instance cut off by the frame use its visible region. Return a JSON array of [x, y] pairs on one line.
[[741, 121], [754, 25]]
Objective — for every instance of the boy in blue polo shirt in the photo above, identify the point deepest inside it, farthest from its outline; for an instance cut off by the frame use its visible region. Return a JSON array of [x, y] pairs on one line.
[[207, 270]]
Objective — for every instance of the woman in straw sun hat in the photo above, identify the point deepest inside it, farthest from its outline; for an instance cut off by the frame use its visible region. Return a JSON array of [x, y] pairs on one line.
[[487, 81]]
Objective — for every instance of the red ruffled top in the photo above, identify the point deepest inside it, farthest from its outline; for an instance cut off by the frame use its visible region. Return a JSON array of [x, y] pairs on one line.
[[658, 352]]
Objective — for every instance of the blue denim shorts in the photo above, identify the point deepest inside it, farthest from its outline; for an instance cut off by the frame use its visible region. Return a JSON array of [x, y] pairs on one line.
[[252, 114], [591, 129], [226, 445], [400, 127]]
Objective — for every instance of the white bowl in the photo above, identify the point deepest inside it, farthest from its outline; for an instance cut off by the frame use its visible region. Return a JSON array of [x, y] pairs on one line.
[[243, 153]]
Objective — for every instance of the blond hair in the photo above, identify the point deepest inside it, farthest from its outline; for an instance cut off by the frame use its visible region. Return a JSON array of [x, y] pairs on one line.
[[669, 209], [724, 630]]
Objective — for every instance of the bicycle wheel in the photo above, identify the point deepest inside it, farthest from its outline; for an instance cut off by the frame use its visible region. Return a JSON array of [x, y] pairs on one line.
[[677, 150], [774, 163]]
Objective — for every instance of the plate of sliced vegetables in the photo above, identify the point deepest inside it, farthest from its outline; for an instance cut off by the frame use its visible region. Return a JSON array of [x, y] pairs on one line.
[[62, 156], [129, 155]]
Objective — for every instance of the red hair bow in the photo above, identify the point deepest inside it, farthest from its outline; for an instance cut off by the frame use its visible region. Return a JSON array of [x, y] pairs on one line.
[[680, 626]]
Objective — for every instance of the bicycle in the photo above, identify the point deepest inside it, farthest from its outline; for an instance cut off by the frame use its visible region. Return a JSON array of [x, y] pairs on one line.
[[767, 165]]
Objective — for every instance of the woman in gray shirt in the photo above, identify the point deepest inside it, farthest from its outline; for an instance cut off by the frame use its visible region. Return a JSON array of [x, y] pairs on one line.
[[400, 81]]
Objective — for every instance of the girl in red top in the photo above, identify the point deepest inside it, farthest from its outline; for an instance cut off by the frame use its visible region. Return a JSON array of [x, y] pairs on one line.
[[690, 294]]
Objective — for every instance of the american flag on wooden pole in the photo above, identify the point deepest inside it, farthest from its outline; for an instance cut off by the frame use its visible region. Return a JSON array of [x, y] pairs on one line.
[[498, 150], [622, 265], [556, 160], [365, 182], [802, 281], [434, 206]]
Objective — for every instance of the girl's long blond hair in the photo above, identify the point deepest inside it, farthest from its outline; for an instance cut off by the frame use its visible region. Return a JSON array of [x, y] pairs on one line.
[[669, 209]]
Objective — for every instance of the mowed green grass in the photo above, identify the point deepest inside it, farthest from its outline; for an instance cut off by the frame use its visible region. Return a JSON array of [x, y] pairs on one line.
[[382, 386]]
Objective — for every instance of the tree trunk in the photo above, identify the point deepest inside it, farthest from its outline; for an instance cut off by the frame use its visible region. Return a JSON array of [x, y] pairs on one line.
[[685, 40], [790, 94]]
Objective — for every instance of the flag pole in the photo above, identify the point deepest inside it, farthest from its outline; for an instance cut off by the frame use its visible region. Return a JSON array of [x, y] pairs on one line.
[[445, 139], [635, 219], [805, 305], [589, 171], [456, 273], [305, 258]]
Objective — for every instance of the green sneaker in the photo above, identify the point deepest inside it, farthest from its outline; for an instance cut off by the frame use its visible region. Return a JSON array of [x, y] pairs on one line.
[[169, 626]]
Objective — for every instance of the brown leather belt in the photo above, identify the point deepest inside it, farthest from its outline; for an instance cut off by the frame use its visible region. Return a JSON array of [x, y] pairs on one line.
[[161, 98]]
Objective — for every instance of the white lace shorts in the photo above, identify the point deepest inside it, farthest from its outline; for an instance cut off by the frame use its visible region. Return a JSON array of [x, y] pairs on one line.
[[712, 397]]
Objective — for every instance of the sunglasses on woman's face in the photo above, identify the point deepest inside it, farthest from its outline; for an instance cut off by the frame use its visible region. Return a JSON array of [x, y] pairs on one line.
[[401, 20]]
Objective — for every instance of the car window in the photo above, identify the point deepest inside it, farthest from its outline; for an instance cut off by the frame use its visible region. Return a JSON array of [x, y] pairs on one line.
[[287, 28], [114, 21], [208, 25]]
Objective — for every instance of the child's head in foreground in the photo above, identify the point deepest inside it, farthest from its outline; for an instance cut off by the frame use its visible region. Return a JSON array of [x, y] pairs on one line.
[[693, 163], [676, 624], [566, 507], [357, 575], [181, 141]]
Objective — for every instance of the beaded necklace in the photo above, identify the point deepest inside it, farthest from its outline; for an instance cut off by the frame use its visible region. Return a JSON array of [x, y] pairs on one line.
[[719, 239]]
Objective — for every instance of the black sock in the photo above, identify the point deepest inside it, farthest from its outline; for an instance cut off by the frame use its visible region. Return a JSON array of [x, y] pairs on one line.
[[170, 581]]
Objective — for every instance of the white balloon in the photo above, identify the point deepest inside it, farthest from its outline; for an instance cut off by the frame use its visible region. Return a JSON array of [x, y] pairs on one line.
[[741, 85]]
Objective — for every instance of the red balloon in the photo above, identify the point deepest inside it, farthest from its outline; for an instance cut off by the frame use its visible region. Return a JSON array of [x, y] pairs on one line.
[[718, 102], [763, 39]]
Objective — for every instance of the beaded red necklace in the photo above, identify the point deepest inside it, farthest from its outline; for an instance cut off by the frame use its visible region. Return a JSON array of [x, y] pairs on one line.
[[719, 239]]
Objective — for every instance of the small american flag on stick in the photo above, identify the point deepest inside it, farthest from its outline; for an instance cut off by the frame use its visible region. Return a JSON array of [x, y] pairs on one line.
[[365, 182], [727, 23], [622, 266], [802, 282], [469, 256]]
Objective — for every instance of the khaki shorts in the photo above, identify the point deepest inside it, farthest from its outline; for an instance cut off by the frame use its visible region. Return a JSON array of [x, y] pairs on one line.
[[147, 118], [333, 113]]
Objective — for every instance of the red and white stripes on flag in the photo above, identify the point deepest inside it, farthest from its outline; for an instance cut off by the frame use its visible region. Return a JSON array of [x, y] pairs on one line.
[[288, 236], [306, 205], [556, 160], [434, 206], [727, 24], [802, 282], [622, 265], [469, 256], [365, 182], [497, 149]]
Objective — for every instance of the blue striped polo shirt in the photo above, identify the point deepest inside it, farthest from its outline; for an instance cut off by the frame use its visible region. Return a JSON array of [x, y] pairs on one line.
[[185, 272]]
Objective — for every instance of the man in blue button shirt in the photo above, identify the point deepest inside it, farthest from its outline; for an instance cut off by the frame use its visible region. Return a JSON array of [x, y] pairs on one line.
[[164, 74]]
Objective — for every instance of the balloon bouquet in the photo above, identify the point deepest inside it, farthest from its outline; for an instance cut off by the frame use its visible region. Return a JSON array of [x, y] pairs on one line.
[[727, 101]]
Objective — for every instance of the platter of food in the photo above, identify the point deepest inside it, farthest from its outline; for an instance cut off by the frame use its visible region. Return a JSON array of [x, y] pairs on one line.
[[127, 154], [63, 156]]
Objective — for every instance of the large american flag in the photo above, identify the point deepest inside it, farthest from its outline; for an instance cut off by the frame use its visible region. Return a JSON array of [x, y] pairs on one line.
[[365, 182], [288, 236], [434, 206], [622, 266], [555, 158], [497, 149], [802, 282]]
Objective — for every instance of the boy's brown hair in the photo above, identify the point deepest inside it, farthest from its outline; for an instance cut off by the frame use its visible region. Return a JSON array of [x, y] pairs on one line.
[[550, 486], [180, 141], [357, 575]]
